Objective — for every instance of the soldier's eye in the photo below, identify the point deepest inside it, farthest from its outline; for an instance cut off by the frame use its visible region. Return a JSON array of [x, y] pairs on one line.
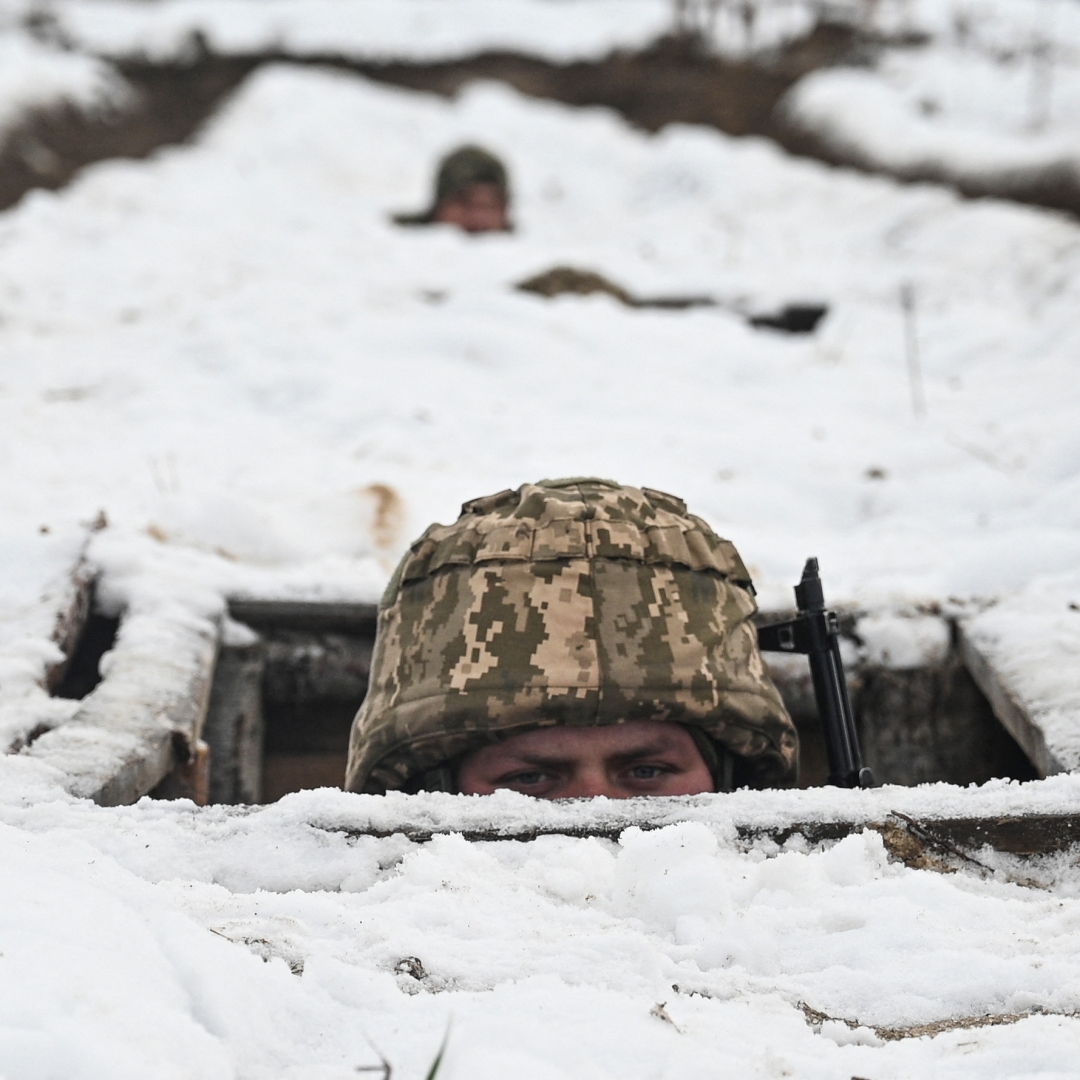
[[527, 779], [646, 772]]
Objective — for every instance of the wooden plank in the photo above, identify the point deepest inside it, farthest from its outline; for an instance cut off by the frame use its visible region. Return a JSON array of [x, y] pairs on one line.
[[75, 608], [1007, 707], [145, 717], [1027, 834], [189, 779], [234, 725], [1016, 834], [317, 616]]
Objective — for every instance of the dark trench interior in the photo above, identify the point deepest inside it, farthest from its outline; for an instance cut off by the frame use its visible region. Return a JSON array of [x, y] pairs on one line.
[[312, 685], [281, 710], [82, 671], [281, 707]]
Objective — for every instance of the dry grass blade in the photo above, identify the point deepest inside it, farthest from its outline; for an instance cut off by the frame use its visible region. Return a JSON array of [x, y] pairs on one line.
[[383, 1067], [434, 1070]]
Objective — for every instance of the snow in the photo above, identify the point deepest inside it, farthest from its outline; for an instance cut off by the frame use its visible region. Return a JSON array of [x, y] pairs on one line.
[[226, 942], [977, 128], [1032, 638], [107, 976], [249, 292], [37, 76], [270, 390], [276, 847], [903, 641], [559, 30], [989, 100], [168, 322], [34, 589]]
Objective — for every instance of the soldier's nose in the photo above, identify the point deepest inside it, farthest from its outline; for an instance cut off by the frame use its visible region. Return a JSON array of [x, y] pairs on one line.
[[588, 783]]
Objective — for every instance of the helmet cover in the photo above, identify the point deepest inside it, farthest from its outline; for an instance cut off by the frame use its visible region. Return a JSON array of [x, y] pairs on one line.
[[577, 602]]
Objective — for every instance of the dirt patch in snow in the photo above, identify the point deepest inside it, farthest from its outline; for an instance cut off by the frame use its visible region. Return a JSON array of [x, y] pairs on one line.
[[1054, 187], [916, 1031], [675, 81], [50, 146]]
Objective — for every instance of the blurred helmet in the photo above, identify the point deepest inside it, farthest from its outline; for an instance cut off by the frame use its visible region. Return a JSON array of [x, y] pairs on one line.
[[469, 165], [577, 602]]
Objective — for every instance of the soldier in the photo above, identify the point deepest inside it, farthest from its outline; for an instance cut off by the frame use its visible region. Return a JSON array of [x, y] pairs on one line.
[[471, 191], [571, 638]]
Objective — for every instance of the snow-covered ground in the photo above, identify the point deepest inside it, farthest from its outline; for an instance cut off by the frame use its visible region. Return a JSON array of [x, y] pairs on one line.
[[268, 388], [559, 30], [562, 30], [166, 323], [985, 96], [158, 940], [986, 121], [232, 352], [981, 95], [34, 75]]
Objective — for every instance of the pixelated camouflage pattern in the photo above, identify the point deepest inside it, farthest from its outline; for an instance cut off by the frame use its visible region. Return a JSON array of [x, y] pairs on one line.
[[577, 602]]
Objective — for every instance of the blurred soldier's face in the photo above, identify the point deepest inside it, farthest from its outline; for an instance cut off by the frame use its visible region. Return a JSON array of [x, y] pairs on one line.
[[475, 208], [642, 757]]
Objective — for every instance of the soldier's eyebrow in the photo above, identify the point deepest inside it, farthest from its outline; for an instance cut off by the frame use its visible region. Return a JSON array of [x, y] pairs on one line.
[[653, 749], [553, 761], [547, 761]]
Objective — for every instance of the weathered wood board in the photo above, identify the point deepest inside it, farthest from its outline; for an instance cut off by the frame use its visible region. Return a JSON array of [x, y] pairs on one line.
[[1033, 834], [143, 718], [1012, 712], [339, 616]]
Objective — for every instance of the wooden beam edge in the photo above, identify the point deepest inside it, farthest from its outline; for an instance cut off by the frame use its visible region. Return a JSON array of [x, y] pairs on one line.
[[149, 734], [71, 619], [1019, 834], [318, 616], [1009, 711], [174, 738]]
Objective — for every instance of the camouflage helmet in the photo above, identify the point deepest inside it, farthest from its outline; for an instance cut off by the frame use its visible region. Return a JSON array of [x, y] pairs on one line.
[[577, 602], [468, 165], [461, 167]]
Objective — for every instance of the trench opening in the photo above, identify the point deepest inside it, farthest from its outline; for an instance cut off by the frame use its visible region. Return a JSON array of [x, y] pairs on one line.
[[675, 80], [312, 686], [916, 726], [82, 672], [282, 706]]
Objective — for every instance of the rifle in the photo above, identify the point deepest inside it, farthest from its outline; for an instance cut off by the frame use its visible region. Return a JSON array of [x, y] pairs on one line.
[[815, 633]]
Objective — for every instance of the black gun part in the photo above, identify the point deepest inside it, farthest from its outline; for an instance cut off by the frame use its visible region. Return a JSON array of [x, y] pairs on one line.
[[815, 633]]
